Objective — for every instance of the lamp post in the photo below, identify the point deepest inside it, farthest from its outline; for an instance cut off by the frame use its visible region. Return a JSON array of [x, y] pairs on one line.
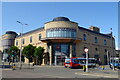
[[21, 42], [112, 48], [108, 58], [86, 51]]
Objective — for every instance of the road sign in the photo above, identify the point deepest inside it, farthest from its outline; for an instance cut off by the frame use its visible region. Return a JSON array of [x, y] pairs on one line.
[[86, 50]]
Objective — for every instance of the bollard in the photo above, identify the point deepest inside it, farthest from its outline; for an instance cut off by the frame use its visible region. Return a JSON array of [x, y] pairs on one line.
[[103, 67], [13, 67], [84, 68]]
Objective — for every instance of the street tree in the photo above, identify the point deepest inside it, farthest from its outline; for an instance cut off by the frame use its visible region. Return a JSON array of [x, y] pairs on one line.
[[28, 52], [13, 52], [13, 49], [39, 54]]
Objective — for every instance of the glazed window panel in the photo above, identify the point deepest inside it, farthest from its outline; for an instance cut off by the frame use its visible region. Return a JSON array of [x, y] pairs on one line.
[[54, 33], [40, 36], [68, 33], [65, 33], [30, 39], [17, 43], [84, 37], [51, 32], [105, 42], [96, 40], [23, 41], [61, 32]]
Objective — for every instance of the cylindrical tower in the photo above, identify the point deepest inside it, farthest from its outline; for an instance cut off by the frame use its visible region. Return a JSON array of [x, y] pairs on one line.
[[8, 39]]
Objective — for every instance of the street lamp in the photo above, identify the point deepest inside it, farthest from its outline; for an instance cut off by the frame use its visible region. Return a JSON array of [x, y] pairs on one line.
[[86, 52], [21, 42], [112, 48]]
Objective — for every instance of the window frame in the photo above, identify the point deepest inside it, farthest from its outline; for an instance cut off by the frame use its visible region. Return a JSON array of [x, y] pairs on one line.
[[30, 39]]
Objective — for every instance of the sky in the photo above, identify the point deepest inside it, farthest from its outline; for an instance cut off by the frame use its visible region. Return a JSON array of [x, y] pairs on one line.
[[35, 14]]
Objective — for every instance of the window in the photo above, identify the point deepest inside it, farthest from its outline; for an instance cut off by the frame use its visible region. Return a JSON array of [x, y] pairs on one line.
[[96, 40], [105, 50], [84, 37], [61, 32], [30, 39], [23, 41], [96, 49], [17, 43], [40, 36], [105, 42], [85, 47]]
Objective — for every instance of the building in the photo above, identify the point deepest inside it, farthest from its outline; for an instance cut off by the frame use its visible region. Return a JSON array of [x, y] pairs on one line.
[[117, 53], [6, 41], [64, 38]]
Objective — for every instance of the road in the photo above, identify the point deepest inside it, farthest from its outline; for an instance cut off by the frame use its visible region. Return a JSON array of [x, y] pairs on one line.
[[57, 72]]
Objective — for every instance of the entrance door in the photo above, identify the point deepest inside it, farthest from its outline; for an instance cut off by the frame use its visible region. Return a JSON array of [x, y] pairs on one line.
[[60, 60], [60, 50], [105, 59]]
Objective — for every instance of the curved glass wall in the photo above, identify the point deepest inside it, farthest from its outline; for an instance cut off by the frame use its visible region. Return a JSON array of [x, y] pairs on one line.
[[7, 42], [61, 32]]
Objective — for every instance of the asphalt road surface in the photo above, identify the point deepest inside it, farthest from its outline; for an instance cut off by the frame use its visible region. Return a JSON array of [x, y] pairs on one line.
[[57, 72]]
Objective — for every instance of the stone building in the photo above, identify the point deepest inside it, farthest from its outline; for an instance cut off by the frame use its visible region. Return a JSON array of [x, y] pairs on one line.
[[6, 41], [64, 38]]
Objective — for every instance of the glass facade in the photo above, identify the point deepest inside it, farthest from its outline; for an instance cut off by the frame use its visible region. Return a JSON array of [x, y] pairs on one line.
[[61, 32], [64, 48]]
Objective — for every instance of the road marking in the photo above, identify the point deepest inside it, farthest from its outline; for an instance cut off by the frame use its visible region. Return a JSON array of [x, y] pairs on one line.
[[109, 76], [6, 69], [51, 76]]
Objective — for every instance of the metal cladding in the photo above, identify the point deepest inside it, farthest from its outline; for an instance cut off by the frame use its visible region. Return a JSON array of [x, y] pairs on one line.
[[61, 19]]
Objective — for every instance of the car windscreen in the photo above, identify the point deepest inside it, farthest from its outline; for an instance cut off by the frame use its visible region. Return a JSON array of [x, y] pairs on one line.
[[81, 61]]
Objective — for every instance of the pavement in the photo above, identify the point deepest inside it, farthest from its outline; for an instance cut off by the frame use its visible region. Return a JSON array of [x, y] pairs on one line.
[[108, 73], [47, 71]]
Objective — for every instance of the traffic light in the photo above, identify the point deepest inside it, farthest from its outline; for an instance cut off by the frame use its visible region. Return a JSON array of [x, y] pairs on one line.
[[13, 54], [22, 58]]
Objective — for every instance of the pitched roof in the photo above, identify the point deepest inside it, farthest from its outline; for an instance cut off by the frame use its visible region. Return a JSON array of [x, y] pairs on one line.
[[95, 32], [41, 28]]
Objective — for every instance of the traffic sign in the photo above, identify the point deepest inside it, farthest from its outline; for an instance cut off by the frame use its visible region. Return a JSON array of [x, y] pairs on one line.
[[86, 50]]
